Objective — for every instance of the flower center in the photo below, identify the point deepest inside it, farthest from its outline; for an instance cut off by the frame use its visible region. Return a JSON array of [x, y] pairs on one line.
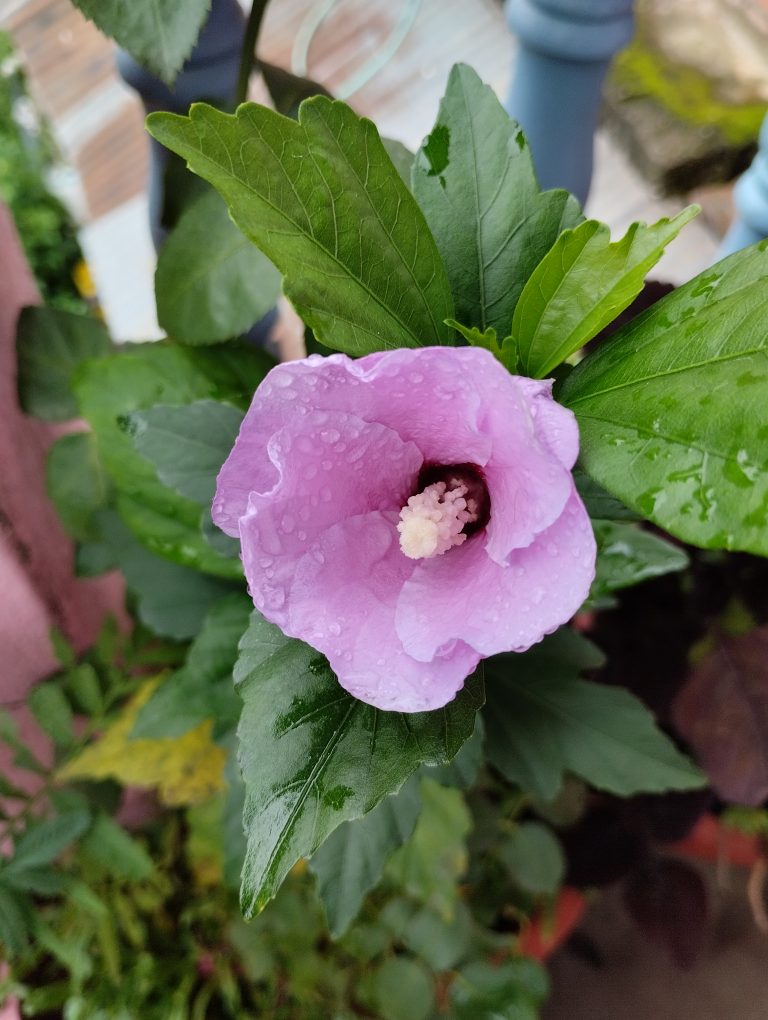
[[451, 505]]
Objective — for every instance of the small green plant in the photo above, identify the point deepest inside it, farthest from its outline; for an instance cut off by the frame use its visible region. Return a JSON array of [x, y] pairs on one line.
[[27, 153]]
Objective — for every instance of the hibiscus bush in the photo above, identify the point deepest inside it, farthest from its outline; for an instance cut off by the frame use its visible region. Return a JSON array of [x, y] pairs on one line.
[[396, 547]]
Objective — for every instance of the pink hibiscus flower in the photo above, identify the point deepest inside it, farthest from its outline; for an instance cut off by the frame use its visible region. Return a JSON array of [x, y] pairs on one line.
[[408, 514]]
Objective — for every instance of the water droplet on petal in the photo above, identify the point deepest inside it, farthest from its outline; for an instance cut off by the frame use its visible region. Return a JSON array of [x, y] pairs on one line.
[[288, 523]]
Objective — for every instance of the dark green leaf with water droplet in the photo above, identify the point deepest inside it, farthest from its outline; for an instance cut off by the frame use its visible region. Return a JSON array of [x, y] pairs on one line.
[[628, 555], [673, 410], [312, 756]]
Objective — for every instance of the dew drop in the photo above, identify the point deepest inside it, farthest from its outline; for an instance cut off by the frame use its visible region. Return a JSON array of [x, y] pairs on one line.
[[288, 523]]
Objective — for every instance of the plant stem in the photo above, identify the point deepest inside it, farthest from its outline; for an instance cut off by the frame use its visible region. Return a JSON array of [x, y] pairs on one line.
[[248, 52]]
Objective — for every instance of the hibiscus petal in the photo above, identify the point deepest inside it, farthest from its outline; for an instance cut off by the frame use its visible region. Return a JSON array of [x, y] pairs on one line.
[[466, 595], [329, 465], [343, 603], [528, 485], [555, 425], [435, 401]]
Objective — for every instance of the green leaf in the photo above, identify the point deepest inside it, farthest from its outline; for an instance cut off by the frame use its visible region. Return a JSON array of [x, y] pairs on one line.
[[505, 352], [542, 721], [402, 989], [136, 379], [313, 757], [599, 503], [534, 858], [42, 842], [111, 848], [16, 920], [82, 685], [351, 861], [11, 791], [402, 158], [187, 444], [23, 757], [159, 34], [50, 344], [474, 179], [463, 770], [321, 197], [582, 284], [512, 990], [438, 941], [627, 555], [673, 410], [52, 711], [172, 600], [202, 689], [430, 865], [76, 483], [40, 881], [211, 283]]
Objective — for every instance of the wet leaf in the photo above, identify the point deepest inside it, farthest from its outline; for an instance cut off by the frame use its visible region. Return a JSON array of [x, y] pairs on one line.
[[627, 555], [313, 757], [673, 409]]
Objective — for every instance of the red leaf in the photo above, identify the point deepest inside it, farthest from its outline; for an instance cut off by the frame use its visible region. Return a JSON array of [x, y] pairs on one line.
[[722, 711]]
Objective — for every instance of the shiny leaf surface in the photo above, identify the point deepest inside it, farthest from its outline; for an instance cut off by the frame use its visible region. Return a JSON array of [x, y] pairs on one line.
[[322, 199], [313, 757], [673, 409], [582, 284]]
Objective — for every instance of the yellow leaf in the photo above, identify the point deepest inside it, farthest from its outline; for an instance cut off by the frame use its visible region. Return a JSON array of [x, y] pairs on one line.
[[185, 770]]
